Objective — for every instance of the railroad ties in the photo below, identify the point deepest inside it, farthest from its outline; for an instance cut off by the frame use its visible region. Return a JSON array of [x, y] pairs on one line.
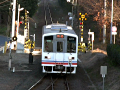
[[51, 82]]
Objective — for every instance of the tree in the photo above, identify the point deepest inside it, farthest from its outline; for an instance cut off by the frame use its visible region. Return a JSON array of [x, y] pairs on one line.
[[29, 5], [4, 8], [96, 8]]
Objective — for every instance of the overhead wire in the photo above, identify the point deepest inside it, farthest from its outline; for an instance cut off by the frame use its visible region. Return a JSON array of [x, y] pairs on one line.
[[3, 1]]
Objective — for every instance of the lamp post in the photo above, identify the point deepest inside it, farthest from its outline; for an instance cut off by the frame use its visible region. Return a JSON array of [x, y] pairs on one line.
[[72, 12], [104, 26], [111, 23], [19, 9]]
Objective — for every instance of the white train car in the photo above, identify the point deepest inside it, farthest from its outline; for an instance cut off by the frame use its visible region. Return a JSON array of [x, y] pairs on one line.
[[59, 49]]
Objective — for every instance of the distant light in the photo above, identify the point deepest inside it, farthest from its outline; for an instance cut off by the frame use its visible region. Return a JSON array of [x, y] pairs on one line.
[[69, 13], [27, 11], [21, 22], [70, 18], [81, 23], [68, 0]]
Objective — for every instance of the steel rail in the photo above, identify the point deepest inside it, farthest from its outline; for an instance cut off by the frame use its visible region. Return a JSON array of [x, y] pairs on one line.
[[52, 83], [34, 85], [67, 85]]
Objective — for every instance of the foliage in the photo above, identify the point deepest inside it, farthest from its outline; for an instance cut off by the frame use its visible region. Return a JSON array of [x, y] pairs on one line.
[[65, 5], [3, 29], [113, 52], [29, 5], [61, 2], [96, 8], [4, 6]]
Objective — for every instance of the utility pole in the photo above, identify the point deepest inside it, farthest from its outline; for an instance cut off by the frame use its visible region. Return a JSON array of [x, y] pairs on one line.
[[104, 26], [9, 21], [111, 23], [72, 16], [13, 22]]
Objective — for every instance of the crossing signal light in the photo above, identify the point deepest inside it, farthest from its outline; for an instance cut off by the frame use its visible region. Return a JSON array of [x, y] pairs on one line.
[[79, 18], [81, 23], [79, 13], [25, 11], [25, 27], [21, 22], [81, 27], [25, 24], [25, 20], [14, 38], [82, 32]]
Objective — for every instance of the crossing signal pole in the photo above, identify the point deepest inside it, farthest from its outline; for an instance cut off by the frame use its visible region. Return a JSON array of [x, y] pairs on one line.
[[81, 30], [26, 28], [81, 19]]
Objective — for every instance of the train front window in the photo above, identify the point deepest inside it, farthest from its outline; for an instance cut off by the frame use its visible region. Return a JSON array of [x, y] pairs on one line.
[[71, 44], [48, 44], [59, 46]]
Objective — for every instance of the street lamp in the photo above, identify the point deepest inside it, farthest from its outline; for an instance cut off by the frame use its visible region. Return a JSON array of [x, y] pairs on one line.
[[111, 23]]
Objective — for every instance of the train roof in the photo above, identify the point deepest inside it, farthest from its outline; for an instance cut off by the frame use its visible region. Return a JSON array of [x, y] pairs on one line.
[[57, 28]]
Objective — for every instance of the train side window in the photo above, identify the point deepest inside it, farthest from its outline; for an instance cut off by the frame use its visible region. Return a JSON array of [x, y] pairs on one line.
[[59, 46], [48, 44]]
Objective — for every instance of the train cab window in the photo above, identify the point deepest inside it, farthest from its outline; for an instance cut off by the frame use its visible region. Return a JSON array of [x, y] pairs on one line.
[[71, 44], [48, 44], [59, 46]]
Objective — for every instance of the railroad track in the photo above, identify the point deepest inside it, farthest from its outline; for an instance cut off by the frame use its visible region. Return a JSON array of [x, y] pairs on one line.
[[48, 17], [51, 82]]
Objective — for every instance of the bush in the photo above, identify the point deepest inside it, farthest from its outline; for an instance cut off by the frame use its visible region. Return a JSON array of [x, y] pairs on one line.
[[3, 29], [113, 52]]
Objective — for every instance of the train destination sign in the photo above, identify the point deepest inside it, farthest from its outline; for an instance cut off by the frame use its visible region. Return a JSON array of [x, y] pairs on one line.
[[71, 38]]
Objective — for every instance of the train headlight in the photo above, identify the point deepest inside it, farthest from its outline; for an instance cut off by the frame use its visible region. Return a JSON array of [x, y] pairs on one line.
[[47, 57], [70, 58]]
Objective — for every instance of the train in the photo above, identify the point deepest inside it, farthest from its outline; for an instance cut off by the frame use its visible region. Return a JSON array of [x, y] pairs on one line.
[[59, 49]]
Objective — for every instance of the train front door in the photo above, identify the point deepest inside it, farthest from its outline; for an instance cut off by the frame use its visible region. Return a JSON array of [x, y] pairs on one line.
[[59, 55]]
